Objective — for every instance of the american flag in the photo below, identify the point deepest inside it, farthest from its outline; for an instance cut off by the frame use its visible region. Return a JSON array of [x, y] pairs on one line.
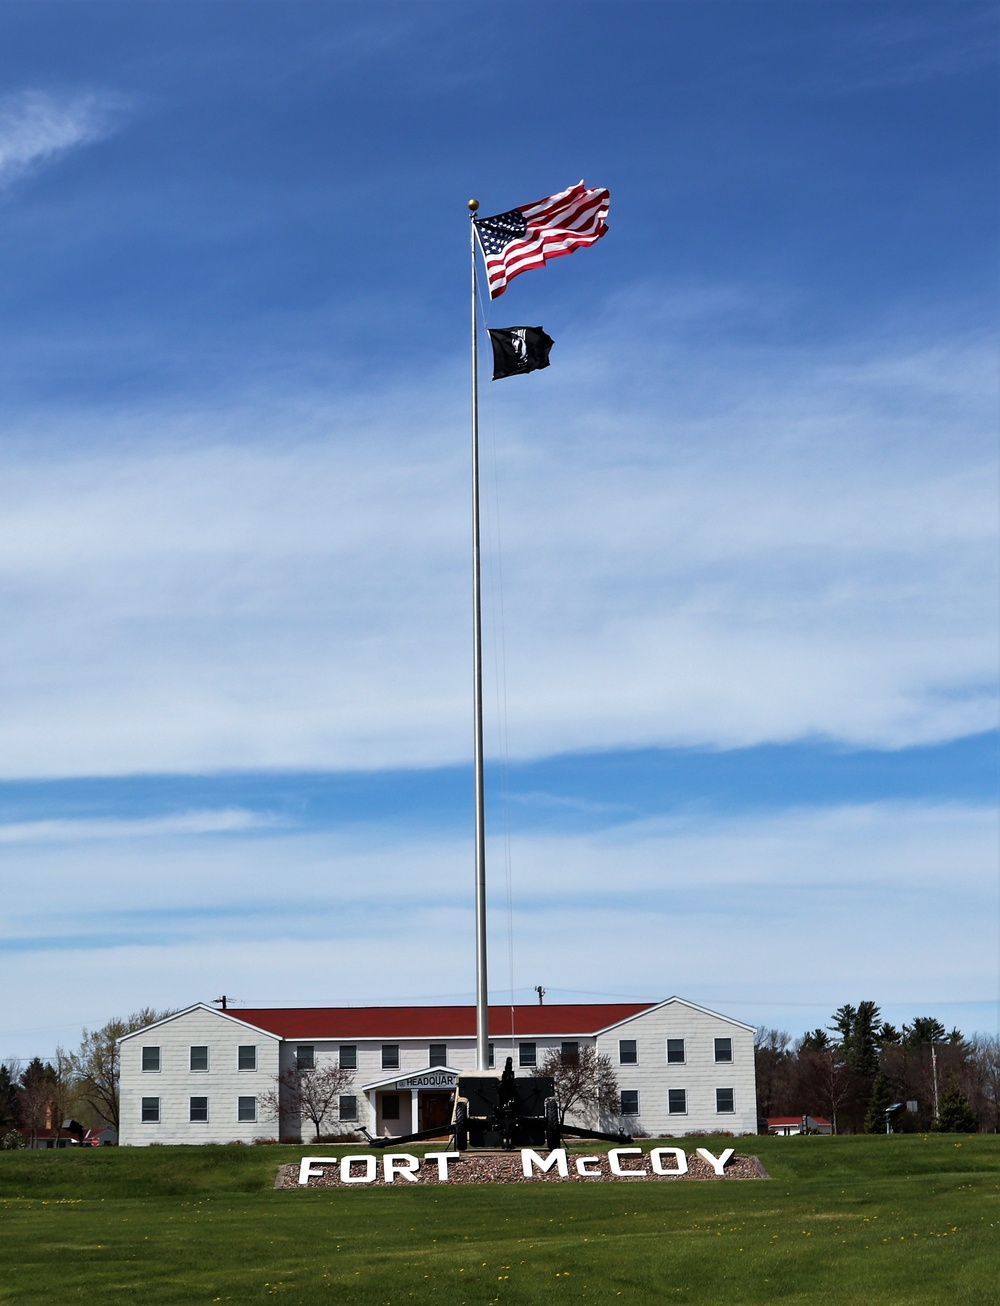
[[531, 234]]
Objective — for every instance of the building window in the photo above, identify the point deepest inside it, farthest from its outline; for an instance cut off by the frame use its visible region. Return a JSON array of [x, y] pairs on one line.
[[725, 1099], [677, 1101], [246, 1057], [246, 1108], [390, 1106], [527, 1054], [151, 1059], [675, 1051], [630, 1102], [492, 1061], [628, 1052], [390, 1056], [199, 1110], [151, 1110], [349, 1108], [438, 1054], [569, 1054], [348, 1056], [723, 1049], [305, 1057], [199, 1058]]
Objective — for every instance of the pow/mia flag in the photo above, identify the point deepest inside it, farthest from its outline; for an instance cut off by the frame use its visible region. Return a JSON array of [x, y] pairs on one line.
[[519, 349]]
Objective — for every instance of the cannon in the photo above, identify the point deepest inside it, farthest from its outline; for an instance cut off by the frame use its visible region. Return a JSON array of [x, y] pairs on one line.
[[504, 1111]]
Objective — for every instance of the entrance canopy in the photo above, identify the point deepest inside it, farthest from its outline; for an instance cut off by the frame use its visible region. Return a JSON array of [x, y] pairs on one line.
[[403, 1104], [441, 1078]]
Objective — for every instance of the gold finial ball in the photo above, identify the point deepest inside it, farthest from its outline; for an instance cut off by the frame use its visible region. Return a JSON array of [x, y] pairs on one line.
[[473, 205]]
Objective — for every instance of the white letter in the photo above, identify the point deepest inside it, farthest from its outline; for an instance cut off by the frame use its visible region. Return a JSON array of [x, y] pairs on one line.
[[557, 1158], [718, 1163], [442, 1159], [345, 1170], [616, 1165], [307, 1169], [582, 1164], [400, 1163], [680, 1158]]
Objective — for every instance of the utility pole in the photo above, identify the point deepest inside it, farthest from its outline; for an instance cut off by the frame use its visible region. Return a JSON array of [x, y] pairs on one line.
[[934, 1071]]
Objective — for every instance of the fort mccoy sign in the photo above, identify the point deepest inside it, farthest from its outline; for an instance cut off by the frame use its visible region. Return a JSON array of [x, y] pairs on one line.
[[618, 1164]]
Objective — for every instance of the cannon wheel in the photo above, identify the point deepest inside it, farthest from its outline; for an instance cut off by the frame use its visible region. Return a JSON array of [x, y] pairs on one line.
[[552, 1138], [461, 1126]]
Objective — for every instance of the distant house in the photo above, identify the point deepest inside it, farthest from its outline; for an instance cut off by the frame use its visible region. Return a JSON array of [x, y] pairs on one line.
[[788, 1125], [69, 1134], [49, 1138], [202, 1075], [106, 1137]]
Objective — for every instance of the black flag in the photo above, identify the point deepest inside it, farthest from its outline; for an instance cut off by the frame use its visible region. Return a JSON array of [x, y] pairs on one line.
[[519, 349]]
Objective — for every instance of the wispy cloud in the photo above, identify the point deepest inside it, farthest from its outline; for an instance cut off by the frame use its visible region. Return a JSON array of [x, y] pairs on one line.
[[704, 542], [856, 898], [903, 49], [37, 126], [87, 831]]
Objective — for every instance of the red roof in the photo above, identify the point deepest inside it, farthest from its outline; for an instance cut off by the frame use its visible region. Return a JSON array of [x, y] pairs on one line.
[[435, 1022], [775, 1121]]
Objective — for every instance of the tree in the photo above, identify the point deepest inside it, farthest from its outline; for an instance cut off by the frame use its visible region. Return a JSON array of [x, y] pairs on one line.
[[879, 1102], [309, 1094], [817, 1040], [96, 1064], [36, 1093], [924, 1029], [825, 1082], [859, 1029], [773, 1063], [10, 1073], [585, 1082], [984, 1055], [955, 1116]]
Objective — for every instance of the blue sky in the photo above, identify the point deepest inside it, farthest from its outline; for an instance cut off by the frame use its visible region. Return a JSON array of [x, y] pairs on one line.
[[741, 538]]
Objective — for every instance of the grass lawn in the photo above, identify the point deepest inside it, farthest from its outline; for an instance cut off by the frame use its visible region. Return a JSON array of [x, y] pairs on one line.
[[848, 1220]]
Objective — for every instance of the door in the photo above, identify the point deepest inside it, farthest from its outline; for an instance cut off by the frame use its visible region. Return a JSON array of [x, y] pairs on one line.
[[435, 1110]]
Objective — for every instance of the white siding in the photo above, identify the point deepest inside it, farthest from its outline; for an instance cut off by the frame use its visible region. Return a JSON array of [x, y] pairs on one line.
[[700, 1074], [175, 1083]]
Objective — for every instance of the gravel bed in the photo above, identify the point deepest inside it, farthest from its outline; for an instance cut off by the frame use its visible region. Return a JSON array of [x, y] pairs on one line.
[[505, 1168]]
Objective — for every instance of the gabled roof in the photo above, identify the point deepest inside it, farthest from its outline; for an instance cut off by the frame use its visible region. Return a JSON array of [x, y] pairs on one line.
[[559, 1019], [400, 1076], [706, 1011], [436, 1022], [186, 1011]]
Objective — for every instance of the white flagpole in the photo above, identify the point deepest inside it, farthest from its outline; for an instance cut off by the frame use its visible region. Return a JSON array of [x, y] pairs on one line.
[[482, 994]]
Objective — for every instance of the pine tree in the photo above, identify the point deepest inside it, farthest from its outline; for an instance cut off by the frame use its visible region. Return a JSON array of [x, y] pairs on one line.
[[955, 1116], [880, 1100], [9, 1112], [923, 1029]]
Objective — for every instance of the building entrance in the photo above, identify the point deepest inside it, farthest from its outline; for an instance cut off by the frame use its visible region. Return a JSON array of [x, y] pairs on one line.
[[435, 1110]]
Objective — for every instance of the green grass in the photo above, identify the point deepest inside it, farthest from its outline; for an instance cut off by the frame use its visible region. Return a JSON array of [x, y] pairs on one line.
[[842, 1220]]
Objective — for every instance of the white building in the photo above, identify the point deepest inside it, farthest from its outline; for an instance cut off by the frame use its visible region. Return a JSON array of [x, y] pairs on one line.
[[201, 1076]]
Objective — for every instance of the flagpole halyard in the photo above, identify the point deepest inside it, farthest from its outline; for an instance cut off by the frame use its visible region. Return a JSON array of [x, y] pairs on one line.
[[482, 992]]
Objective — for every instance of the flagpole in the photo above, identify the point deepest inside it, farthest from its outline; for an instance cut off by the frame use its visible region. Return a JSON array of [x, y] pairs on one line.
[[482, 995]]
